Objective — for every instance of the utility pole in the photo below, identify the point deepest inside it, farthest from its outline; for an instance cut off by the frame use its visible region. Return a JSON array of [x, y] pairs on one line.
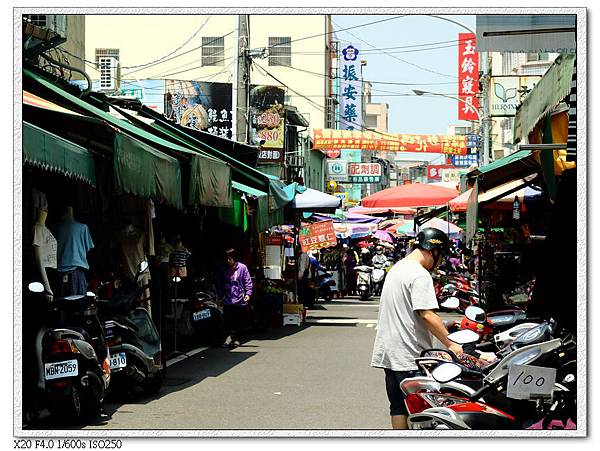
[[485, 120], [241, 82]]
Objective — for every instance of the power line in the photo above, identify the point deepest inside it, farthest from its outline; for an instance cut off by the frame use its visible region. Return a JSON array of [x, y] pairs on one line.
[[172, 52], [400, 59], [186, 52]]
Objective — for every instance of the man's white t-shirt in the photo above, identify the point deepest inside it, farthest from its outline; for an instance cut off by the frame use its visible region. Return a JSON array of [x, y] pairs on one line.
[[401, 333]]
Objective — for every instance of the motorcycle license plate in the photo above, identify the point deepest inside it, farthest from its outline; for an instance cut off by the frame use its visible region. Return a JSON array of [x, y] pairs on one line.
[[59, 370], [202, 314], [118, 361]]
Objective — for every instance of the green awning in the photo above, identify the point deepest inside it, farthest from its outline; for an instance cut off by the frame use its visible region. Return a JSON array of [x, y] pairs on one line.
[[552, 88], [46, 150], [144, 171], [236, 215], [210, 183], [512, 167], [119, 123], [265, 218]]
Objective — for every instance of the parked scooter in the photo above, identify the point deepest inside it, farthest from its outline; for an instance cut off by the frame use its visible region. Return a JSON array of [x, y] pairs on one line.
[[72, 357], [364, 286], [441, 401], [134, 342], [207, 317]]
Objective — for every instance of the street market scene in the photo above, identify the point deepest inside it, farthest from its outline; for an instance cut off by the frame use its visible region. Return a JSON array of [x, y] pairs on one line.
[[300, 222]]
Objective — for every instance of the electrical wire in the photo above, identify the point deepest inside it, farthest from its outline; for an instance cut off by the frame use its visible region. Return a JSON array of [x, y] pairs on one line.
[[172, 52], [400, 59]]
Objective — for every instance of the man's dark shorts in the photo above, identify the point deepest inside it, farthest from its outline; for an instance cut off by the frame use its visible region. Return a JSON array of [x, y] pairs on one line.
[[395, 395]]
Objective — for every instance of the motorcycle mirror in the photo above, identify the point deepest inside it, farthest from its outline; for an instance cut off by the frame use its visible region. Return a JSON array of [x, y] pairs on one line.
[[464, 336], [446, 372], [476, 314], [451, 303], [143, 266], [36, 287]]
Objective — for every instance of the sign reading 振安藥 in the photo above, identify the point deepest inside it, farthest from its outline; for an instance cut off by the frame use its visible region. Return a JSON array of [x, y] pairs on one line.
[[324, 139], [507, 93], [364, 172], [318, 235], [337, 170], [468, 77], [350, 89]]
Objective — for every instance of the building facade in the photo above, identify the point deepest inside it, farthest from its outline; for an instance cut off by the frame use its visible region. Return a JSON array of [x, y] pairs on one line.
[[188, 50]]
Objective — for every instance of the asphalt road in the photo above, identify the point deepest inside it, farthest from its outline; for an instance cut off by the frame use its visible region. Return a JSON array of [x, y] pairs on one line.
[[316, 376]]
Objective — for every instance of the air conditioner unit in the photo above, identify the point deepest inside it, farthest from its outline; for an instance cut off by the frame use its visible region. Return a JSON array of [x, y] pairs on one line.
[[109, 73]]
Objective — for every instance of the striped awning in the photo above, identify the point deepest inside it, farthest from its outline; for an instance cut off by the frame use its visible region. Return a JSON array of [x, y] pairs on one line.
[[33, 100]]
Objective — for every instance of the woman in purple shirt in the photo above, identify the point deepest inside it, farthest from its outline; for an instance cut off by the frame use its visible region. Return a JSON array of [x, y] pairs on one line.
[[236, 289]]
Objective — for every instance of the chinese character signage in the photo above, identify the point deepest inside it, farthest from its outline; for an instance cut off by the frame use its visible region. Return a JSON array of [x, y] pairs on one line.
[[507, 93], [353, 139], [318, 235], [350, 89], [200, 105], [465, 161], [473, 143], [337, 170], [268, 122], [364, 172], [468, 77], [451, 174]]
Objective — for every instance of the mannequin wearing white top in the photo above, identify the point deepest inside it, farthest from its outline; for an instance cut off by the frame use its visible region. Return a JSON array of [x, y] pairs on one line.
[[37, 252]]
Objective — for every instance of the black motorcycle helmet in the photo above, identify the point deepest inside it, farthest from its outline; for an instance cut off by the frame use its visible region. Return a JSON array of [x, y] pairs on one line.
[[433, 240]]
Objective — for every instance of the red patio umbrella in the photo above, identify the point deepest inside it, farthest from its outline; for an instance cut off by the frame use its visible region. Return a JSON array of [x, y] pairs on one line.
[[411, 195]]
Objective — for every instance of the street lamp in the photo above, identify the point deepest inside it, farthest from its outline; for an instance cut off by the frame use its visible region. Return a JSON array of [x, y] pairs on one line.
[[420, 93]]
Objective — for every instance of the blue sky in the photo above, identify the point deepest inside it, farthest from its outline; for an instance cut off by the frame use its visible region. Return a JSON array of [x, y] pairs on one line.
[[410, 114]]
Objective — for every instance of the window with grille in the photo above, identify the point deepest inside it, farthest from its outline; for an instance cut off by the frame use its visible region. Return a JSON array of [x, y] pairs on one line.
[[537, 57], [106, 53], [36, 19], [108, 73], [213, 51], [280, 51]]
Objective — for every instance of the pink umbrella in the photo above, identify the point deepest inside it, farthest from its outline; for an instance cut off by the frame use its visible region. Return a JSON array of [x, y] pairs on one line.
[[383, 236]]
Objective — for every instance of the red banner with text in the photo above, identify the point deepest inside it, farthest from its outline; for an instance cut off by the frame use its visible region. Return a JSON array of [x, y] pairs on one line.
[[468, 77], [326, 139]]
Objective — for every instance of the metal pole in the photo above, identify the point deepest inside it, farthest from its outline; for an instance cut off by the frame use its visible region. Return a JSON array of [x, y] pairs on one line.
[[241, 81]]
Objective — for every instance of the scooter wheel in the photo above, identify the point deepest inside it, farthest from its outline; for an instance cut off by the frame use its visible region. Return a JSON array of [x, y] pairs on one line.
[[68, 409]]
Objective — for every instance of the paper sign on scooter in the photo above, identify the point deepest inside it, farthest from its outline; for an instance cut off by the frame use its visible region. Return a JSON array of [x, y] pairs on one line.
[[529, 382]]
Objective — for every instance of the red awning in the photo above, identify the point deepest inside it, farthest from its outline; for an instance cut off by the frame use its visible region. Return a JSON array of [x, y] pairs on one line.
[[413, 195], [459, 203], [33, 100], [378, 211]]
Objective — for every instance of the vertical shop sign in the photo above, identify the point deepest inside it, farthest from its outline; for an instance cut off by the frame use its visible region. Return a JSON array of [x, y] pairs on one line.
[[468, 77], [350, 89], [267, 123]]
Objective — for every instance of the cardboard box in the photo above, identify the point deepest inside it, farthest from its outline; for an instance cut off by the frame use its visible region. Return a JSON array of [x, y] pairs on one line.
[[293, 308], [292, 319]]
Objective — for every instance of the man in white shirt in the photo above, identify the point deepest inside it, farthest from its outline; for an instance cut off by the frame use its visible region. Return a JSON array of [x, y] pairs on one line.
[[407, 318]]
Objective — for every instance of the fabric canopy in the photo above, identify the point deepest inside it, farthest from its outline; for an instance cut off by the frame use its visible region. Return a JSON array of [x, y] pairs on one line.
[[553, 87], [383, 236], [33, 100], [210, 183], [512, 167], [312, 199], [265, 218], [459, 203], [44, 149], [379, 211], [144, 171], [350, 217], [412, 195], [446, 227]]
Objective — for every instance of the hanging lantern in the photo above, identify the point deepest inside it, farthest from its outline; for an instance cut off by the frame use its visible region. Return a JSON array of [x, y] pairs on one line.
[[516, 209]]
